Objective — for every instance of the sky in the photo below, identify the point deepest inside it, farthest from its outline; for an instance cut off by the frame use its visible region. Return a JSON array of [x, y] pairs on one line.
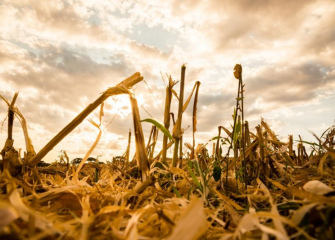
[[60, 55]]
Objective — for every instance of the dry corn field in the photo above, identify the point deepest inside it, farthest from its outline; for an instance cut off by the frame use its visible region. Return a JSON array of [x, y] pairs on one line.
[[256, 187]]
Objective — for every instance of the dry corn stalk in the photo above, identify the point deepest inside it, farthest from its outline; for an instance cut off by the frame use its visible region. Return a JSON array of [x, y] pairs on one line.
[[168, 98], [217, 150], [194, 117], [141, 153], [151, 144], [9, 142], [177, 131], [128, 146], [10, 155], [118, 89]]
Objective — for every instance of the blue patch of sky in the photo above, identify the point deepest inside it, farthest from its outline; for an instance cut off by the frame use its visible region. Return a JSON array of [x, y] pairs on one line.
[[123, 14], [256, 62], [102, 56], [98, 55], [310, 118], [59, 61], [217, 74], [34, 51], [94, 19], [155, 36], [326, 70]]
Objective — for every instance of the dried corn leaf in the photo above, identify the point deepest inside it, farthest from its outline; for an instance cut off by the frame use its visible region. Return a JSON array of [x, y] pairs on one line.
[[7, 214], [309, 196], [192, 223], [301, 212], [25, 212]]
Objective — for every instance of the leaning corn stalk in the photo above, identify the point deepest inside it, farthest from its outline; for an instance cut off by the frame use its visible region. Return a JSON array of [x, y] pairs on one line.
[[118, 89]]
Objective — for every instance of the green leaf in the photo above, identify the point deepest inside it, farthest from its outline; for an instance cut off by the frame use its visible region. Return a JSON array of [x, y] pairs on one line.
[[310, 143], [195, 180], [237, 131], [159, 126], [234, 113], [288, 206], [215, 138], [176, 192]]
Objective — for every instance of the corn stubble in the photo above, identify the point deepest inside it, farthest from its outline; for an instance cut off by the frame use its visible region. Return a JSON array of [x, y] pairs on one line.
[[264, 191]]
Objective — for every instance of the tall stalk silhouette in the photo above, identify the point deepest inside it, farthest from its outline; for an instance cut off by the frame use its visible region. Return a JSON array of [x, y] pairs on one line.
[[238, 113]]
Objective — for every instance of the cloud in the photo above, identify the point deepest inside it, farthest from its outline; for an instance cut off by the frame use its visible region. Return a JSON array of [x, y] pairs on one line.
[[288, 85], [60, 55]]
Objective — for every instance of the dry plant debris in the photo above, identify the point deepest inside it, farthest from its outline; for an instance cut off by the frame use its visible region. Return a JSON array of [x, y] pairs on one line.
[[265, 191]]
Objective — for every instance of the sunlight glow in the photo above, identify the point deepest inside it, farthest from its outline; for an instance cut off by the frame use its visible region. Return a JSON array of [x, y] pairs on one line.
[[121, 106]]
